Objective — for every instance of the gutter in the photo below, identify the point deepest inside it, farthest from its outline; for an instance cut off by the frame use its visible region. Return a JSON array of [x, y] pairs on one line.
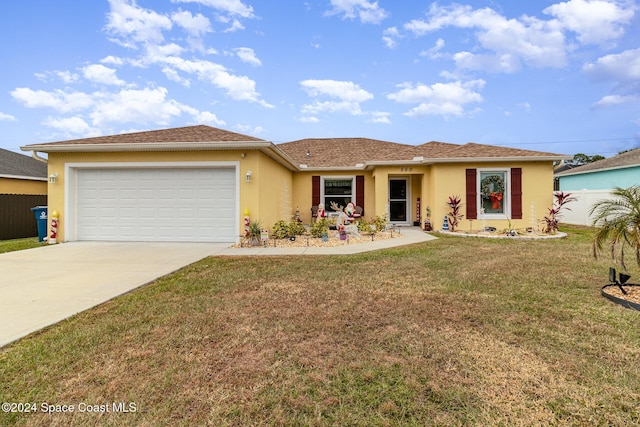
[[35, 155], [266, 147], [30, 178]]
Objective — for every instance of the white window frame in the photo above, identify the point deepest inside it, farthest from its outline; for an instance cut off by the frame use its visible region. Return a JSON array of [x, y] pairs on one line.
[[337, 177], [506, 197]]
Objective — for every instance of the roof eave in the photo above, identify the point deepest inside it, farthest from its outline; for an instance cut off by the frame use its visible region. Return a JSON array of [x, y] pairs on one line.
[[497, 159], [266, 147], [30, 178], [145, 146]]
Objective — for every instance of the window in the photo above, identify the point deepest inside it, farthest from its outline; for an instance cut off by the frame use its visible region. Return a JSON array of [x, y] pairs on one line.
[[493, 193], [339, 190]]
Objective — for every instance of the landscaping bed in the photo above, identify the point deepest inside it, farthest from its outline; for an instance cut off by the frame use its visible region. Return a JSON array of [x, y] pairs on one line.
[[333, 240]]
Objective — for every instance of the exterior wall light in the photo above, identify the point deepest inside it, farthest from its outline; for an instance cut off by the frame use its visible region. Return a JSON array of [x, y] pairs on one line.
[[247, 176], [53, 178]]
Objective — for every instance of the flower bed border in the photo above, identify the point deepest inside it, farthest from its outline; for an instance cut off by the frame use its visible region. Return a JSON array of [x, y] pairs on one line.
[[527, 236], [623, 302]]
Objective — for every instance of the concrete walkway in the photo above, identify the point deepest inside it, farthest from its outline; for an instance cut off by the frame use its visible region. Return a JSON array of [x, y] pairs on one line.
[[42, 286]]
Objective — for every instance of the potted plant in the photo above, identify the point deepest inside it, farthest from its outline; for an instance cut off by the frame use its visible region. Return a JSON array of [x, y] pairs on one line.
[[255, 229]]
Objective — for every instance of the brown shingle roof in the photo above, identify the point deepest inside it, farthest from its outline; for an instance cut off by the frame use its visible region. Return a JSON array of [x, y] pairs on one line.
[[348, 152], [200, 133], [628, 159], [344, 152], [473, 150]]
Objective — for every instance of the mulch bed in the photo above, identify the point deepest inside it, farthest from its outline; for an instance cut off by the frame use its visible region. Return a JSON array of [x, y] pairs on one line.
[[632, 298]]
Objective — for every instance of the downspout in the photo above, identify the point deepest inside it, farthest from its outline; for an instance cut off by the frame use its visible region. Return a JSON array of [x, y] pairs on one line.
[[35, 155]]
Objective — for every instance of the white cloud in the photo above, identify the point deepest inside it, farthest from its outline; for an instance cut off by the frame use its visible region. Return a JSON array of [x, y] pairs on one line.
[[390, 37], [98, 73], [195, 25], [7, 117], [366, 11], [621, 67], [239, 88], [208, 118], [611, 100], [346, 97], [347, 91], [308, 119], [112, 60], [434, 52], [67, 76], [443, 99], [231, 7], [58, 99], [380, 117], [72, 126], [247, 55], [507, 43], [136, 106], [134, 24], [595, 21]]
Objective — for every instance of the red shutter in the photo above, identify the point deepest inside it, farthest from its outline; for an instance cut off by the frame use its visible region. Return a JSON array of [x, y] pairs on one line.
[[360, 192], [516, 193], [315, 190], [471, 199]]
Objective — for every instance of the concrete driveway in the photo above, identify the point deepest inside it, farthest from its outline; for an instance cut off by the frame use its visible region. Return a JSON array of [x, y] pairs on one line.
[[41, 286]]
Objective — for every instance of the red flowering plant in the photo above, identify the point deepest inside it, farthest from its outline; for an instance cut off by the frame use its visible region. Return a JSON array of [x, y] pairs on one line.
[[455, 204], [555, 213]]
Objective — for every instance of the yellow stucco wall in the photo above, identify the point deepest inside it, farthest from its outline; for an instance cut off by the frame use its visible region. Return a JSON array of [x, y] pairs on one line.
[[450, 179], [302, 191], [274, 192], [261, 196], [22, 186]]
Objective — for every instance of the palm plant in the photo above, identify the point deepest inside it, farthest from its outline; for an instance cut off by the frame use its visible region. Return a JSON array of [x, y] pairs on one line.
[[618, 219]]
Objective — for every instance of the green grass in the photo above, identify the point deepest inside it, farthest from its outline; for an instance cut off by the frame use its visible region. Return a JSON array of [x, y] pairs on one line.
[[457, 331], [20, 244]]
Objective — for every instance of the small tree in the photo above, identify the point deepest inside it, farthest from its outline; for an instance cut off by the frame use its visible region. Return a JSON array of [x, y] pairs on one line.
[[455, 203], [618, 222], [561, 200]]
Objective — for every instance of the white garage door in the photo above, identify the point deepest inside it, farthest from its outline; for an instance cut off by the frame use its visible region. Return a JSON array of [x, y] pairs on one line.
[[186, 205]]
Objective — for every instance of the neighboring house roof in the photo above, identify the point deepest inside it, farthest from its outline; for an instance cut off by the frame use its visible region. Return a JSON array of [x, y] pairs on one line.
[[310, 153], [16, 165], [624, 160]]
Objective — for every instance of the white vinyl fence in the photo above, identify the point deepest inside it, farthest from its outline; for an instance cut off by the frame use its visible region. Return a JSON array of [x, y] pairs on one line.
[[579, 213]]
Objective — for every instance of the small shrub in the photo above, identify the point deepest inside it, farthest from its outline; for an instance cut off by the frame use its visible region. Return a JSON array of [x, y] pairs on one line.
[[320, 227], [380, 223], [364, 227], [296, 228], [280, 230], [255, 229], [283, 229]]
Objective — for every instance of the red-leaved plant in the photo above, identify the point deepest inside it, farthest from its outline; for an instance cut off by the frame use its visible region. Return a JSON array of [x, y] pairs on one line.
[[554, 215], [455, 203]]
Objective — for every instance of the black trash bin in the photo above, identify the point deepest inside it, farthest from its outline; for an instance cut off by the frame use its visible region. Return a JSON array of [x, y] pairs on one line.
[[41, 218]]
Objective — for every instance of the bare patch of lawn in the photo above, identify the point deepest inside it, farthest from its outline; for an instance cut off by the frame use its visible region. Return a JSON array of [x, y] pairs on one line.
[[450, 332]]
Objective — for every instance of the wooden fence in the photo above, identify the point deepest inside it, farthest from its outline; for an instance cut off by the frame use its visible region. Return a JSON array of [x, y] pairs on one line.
[[17, 220]]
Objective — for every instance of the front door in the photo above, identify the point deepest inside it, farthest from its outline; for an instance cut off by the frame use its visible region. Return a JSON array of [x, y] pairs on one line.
[[398, 201]]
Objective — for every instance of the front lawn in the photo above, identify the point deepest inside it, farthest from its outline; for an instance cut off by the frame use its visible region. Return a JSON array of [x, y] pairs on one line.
[[20, 244], [449, 332]]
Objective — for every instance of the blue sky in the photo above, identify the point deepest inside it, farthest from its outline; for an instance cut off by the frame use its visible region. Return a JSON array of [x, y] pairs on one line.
[[544, 75]]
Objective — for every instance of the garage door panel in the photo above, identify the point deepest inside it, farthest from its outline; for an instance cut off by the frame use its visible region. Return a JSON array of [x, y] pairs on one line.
[[157, 204]]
